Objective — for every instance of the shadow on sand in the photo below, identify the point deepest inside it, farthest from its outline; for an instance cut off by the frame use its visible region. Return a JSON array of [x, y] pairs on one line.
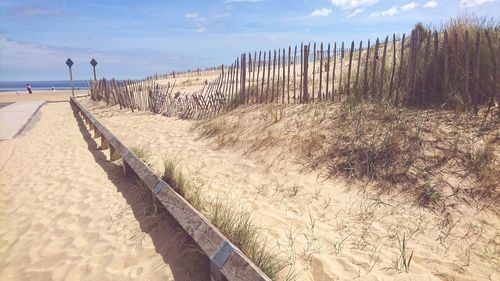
[[179, 252]]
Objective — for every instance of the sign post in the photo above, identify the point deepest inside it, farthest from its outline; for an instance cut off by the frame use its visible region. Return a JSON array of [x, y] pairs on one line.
[[69, 63], [93, 62]]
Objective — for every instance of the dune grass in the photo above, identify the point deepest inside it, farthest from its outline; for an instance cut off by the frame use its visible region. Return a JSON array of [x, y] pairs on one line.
[[236, 224]]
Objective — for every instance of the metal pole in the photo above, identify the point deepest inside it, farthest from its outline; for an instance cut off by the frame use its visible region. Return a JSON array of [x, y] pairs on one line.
[[71, 80]]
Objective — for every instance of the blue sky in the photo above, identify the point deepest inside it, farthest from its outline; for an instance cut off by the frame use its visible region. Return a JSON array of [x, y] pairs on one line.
[[132, 39]]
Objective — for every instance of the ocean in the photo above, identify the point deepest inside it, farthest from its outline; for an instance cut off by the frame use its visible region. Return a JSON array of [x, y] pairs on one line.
[[42, 85]]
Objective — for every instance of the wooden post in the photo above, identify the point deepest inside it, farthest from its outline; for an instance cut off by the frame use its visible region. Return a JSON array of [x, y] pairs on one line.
[[306, 63], [445, 64], [268, 77], [422, 98], [365, 83], [320, 70], [257, 85], [349, 70], [396, 98], [283, 61], [104, 143], [393, 71], [314, 70], [274, 73], [359, 65], [288, 80], [334, 65], [327, 71], [263, 78], [374, 70], [495, 75], [341, 70], [301, 70], [236, 83], [477, 59], [435, 62], [278, 82], [113, 154], [69, 63], [294, 75], [466, 51], [382, 67]]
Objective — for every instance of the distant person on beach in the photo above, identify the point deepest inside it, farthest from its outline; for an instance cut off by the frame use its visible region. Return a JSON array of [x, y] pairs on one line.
[[28, 86]]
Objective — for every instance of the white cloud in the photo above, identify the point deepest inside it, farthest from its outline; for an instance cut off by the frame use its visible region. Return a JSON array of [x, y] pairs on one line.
[[357, 11], [409, 6], [192, 16], [200, 29], [473, 3], [242, 1], [351, 4], [323, 12], [390, 12], [431, 4]]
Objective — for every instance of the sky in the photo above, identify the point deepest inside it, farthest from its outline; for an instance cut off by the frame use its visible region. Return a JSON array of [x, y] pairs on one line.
[[133, 39]]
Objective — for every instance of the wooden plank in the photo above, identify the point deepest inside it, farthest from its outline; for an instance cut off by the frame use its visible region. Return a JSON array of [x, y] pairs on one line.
[[467, 68], [256, 93], [305, 98], [477, 60], [359, 65], [401, 62], [294, 75], [394, 61], [301, 70], [288, 79], [314, 70], [263, 78], [445, 64], [374, 70], [365, 83], [382, 68], [349, 70], [278, 83], [334, 65], [274, 73], [340, 91], [257, 81], [327, 95], [283, 61], [423, 96], [320, 70], [268, 76]]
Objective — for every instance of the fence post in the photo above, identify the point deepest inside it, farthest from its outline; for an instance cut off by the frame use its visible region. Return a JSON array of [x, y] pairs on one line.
[[327, 70], [320, 70], [334, 66], [445, 64], [365, 82], [243, 78], [382, 68], [349, 70], [306, 64], [359, 65], [288, 80], [314, 70], [393, 71], [466, 50], [374, 70]]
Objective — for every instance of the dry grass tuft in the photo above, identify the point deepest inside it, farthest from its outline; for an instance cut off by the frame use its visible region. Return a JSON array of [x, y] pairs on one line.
[[237, 225]]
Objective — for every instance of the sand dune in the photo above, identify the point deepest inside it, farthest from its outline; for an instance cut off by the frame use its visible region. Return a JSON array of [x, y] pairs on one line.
[[66, 213], [329, 232]]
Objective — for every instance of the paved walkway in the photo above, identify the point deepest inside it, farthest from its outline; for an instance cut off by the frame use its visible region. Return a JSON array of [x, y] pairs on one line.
[[14, 117]]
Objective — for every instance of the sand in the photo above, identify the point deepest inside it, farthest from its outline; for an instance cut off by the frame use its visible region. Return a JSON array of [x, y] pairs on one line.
[[329, 232], [66, 213]]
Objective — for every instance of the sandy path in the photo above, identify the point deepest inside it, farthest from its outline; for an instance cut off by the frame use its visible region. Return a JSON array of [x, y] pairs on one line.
[[332, 233], [69, 214]]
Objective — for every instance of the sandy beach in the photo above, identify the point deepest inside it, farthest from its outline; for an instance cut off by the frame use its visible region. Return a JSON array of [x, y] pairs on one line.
[[69, 214], [329, 230]]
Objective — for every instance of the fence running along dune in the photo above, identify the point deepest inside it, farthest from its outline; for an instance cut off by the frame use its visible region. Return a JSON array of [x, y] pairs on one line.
[[456, 67]]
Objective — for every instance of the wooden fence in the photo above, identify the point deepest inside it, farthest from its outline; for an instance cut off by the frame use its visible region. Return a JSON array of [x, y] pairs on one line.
[[226, 260], [428, 68]]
